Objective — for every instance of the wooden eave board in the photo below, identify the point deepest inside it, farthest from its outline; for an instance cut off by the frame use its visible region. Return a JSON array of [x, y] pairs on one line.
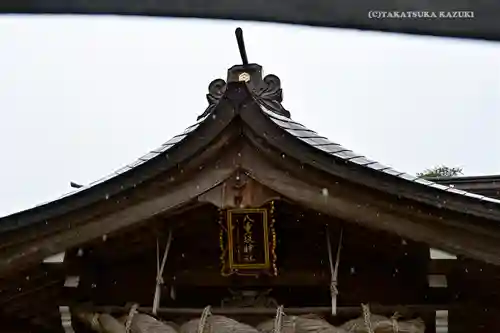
[[318, 151]]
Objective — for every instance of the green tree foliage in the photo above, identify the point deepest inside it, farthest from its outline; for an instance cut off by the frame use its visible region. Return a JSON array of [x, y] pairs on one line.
[[441, 171]]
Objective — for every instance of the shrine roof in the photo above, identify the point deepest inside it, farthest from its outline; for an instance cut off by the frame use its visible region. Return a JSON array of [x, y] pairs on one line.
[[269, 98]]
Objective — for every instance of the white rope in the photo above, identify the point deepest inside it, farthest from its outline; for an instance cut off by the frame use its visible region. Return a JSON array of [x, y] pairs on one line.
[[394, 321], [159, 271], [203, 320], [334, 270], [367, 318], [94, 322], [131, 314], [278, 322]]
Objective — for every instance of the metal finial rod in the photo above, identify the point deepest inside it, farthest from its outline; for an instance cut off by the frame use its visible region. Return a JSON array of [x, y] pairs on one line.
[[241, 45]]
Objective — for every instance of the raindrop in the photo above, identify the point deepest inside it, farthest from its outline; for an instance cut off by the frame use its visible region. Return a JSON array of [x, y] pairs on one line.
[[214, 116], [403, 242], [107, 196], [104, 237], [172, 178], [46, 222], [19, 289], [80, 252], [324, 191], [183, 255], [283, 156], [93, 285], [353, 270], [28, 278]]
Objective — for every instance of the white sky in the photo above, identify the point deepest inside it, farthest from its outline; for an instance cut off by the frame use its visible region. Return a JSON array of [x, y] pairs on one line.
[[83, 96]]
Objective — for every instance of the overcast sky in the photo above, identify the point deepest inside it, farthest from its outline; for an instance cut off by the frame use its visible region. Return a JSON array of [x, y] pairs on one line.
[[83, 96]]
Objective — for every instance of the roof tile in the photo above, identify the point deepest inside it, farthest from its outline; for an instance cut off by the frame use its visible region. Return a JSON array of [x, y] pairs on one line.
[[312, 138]]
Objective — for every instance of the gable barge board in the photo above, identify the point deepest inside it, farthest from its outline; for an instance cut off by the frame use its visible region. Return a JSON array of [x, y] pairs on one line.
[[192, 145], [289, 145], [146, 191], [23, 255]]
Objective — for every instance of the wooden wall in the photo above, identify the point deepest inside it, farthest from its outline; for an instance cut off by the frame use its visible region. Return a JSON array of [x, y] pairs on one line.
[[375, 267]]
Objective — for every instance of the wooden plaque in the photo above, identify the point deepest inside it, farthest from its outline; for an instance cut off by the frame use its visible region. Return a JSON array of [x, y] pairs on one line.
[[248, 246], [248, 239]]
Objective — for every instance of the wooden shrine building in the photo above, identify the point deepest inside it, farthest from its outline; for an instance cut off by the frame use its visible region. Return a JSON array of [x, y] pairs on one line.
[[248, 210]]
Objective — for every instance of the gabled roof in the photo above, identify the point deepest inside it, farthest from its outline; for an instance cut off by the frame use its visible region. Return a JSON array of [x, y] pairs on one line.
[[249, 108], [268, 95]]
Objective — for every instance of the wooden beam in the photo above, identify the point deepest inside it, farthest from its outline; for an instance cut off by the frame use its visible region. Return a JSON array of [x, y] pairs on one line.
[[405, 310], [213, 278]]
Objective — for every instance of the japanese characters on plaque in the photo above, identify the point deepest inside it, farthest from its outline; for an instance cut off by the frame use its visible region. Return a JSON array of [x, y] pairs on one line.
[[248, 241]]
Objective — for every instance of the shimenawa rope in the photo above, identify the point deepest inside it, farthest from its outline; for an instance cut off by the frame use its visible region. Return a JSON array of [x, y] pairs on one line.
[[334, 269], [159, 271]]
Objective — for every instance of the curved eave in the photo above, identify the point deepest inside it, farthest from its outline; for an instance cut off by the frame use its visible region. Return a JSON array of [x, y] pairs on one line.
[[322, 153], [168, 155], [101, 189]]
